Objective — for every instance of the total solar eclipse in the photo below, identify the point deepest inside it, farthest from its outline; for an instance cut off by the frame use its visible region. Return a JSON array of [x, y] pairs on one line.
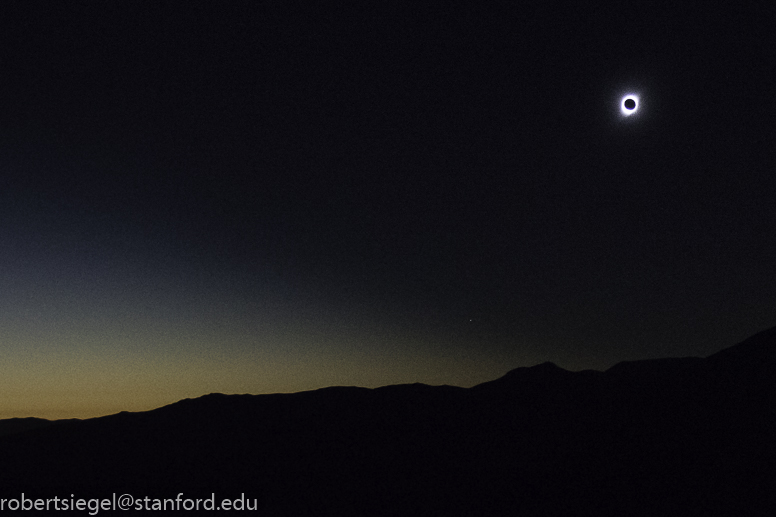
[[629, 105]]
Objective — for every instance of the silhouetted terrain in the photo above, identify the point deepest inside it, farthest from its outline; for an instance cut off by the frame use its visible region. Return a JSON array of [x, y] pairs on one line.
[[16, 425], [660, 437]]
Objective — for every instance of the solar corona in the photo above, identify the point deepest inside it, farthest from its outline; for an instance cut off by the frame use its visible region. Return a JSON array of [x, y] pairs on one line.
[[629, 105]]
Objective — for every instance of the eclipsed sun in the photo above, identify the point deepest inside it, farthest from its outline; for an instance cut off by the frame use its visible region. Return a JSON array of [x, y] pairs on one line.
[[629, 105]]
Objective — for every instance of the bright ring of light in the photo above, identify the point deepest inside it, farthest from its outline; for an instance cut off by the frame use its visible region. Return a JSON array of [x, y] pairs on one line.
[[628, 112]]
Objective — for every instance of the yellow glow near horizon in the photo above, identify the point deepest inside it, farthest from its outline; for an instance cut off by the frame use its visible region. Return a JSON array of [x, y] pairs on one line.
[[89, 381]]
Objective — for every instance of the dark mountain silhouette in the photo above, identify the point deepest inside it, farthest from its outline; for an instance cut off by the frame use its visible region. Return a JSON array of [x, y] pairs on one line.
[[681, 436], [15, 425]]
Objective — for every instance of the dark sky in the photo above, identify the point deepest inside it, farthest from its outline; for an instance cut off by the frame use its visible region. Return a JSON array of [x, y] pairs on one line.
[[252, 197]]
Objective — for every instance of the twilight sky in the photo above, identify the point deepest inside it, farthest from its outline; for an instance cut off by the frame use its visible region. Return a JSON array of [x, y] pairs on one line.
[[254, 197]]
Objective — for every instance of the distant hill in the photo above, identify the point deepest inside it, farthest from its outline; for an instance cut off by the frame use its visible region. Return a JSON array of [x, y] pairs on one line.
[[16, 425], [686, 436]]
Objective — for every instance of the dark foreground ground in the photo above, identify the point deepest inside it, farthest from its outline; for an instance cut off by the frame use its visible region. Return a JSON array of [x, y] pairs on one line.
[[661, 437]]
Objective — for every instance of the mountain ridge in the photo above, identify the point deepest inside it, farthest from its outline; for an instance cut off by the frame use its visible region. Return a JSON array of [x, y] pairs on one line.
[[674, 435]]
